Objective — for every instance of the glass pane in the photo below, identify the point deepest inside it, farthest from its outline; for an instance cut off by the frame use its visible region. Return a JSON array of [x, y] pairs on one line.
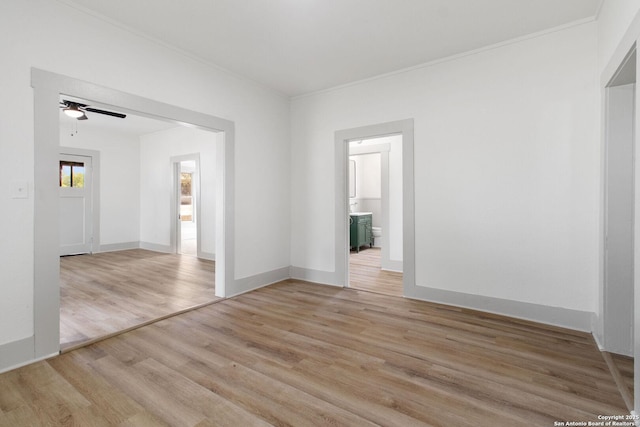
[[78, 176], [65, 175]]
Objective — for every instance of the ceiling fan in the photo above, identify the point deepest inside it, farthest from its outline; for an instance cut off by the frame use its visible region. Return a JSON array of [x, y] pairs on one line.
[[78, 110]]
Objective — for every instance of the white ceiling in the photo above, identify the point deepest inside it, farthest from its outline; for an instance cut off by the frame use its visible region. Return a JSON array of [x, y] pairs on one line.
[[302, 46]]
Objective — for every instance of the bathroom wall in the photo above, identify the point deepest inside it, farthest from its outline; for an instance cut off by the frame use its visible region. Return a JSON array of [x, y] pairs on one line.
[[368, 186]]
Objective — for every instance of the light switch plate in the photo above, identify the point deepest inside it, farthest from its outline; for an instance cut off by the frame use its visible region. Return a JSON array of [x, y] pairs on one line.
[[19, 190]]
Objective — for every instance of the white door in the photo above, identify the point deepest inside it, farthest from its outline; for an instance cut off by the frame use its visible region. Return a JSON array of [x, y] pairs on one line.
[[75, 204]]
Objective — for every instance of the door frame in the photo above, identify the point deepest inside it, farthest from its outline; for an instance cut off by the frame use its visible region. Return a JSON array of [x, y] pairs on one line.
[[342, 139], [95, 190], [627, 43], [174, 211], [616, 299], [47, 88]]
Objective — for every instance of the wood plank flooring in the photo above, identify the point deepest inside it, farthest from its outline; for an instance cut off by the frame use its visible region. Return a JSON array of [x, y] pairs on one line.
[[109, 292], [365, 273], [621, 368], [299, 354]]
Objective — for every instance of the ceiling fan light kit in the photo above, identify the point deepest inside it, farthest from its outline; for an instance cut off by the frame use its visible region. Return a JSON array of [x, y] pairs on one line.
[[73, 111]]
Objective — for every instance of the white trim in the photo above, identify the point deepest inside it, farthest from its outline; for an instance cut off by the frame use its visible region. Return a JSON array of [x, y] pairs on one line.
[[369, 149], [314, 276], [392, 265], [13, 354], [114, 247], [620, 54], [47, 88], [596, 339], [38, 359], [248, 284], [207, 255], [169, 46], [556, 316], [450, 58], [157, 247], [342, 138], [599, 9], [613, 64]]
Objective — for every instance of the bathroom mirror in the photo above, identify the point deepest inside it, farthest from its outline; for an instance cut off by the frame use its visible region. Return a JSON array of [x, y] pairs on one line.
[[352, 179]]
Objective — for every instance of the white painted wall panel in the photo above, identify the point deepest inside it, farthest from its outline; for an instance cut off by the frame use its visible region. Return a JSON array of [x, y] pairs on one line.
[[506, 168]]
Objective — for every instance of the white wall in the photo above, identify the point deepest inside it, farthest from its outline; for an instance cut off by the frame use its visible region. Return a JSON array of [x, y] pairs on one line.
[[119, 178], [156, 150], [368, 176], [36, 33], [506, 168]]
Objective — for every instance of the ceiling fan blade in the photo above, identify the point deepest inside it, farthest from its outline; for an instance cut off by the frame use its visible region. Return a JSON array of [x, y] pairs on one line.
[[108, 113], [68, 103]]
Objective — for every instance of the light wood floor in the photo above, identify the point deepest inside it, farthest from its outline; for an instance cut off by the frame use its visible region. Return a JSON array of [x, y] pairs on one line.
[[365, 273], [108, 292], [301, 354], [621, 368]]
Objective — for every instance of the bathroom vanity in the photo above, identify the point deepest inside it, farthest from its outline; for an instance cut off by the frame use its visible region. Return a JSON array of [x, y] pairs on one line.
[[360, 233]]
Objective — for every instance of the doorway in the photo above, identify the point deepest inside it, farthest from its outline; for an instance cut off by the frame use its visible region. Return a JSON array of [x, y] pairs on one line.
[[76, 204], [617, 309], [188, 224], [186, 205], [405, 205], [48, 87], [619, 200], [375, 214], [131, 277]]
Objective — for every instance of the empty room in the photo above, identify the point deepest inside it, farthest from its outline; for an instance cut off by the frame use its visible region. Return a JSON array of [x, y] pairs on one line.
[[319, 213]]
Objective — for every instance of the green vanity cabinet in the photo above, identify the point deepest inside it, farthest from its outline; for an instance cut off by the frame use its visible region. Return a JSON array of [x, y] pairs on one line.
[[360, 233]]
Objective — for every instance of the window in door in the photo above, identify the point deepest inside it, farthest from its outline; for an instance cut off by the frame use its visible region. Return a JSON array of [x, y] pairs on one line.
[[71, 174]]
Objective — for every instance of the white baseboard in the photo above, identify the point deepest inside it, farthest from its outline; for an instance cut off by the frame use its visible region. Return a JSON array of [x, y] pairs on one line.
[[156, 247], [114, 247], [391, 265], [251, 283], [207, 255], [16, 353], [314, 276], [555, 316]]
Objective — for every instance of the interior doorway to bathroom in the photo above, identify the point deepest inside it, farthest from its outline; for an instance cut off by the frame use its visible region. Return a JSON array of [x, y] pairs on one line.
[[375, 214]]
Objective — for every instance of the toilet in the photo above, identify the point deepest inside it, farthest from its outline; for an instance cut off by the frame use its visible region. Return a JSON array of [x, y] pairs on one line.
[[377, 234]]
